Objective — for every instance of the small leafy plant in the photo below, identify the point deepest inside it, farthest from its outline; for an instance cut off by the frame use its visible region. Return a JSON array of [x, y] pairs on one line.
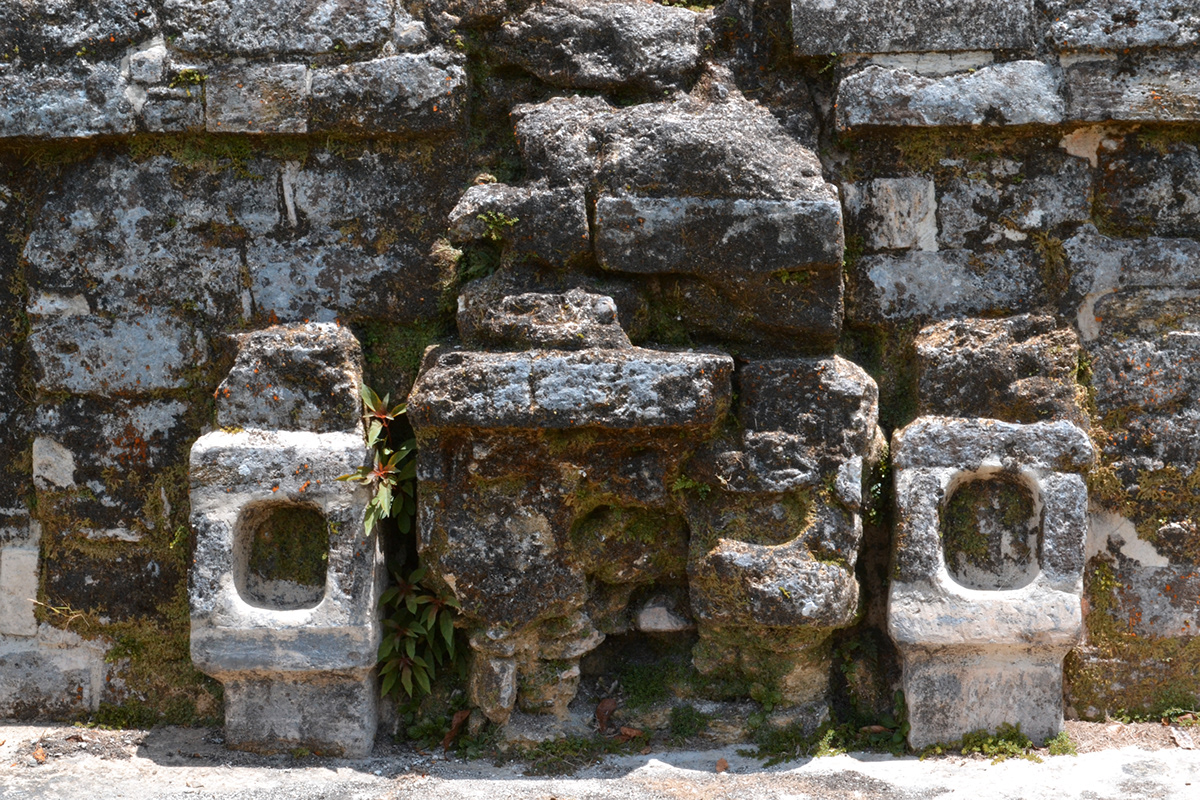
[[418, 635], [393, 473]]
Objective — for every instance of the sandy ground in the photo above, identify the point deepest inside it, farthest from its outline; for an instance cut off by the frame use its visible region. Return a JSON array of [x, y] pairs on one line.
[[62, 763]]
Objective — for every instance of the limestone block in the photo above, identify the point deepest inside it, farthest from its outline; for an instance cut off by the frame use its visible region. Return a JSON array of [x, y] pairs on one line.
[[1012, 93], [1059, 193], [771, 563], [703, 236], [257, 99], [18, 590], [94, 355], [576, 320], [147, 61], [1117, 25], [251, 629], [412, 92], [303, 377], [167, 110], [53, 102], [894, 213], [605, 44], [1157, 88], [277, 27], [551, 389], [53, 673], [982, 641], [547, 224], [53, 464], [1019, 369], [948, 283], [1152, 190], [884, 26], [54, 31]]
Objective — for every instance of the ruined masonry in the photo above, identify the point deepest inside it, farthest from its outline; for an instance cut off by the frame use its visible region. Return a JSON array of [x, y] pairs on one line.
[[834, 362]]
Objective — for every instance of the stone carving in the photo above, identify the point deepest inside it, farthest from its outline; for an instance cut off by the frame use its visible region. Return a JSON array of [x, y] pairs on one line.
[[285, 586], [984, 601], [773, 549], [544, 483]]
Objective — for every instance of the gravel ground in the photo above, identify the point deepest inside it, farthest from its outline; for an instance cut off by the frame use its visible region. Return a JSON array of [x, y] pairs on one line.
[[63, 763]]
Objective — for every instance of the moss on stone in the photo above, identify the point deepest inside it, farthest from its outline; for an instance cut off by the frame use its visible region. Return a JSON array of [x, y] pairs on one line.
[[291, 543]]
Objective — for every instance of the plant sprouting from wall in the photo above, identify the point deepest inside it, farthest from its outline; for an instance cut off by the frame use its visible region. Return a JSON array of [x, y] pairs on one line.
[[392, 474]]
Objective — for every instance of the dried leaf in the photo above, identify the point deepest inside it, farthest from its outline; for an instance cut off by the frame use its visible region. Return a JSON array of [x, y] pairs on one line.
[[39, 755], [456, 726], [873, 729], [722, 765], [1183, 739], [628, 733], [647, 750], [604, 710]]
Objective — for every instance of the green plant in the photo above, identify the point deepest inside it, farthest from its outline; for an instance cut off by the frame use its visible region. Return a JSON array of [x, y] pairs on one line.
[[686, 722], [188, 78], [497, 224], [418, 634], [393, 473], [1061, 745], [1007, 742], [684, 483]]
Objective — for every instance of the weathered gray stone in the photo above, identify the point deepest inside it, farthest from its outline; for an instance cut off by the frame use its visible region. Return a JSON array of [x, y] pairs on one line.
[[975, 657], [304, 377], [65, 102], [1018, 369], [605, 44], [894, 213], [96, 355], [821, 27], [257, 99], [1012, 93], [631, 388], [1152, 189], [1161, 87], [167, 110], [548, 224], [1059, 193], [948, 283], [423, 92], [772, 556], [55, 673], [288, 653], [277, 27], [55, 30], [703, 236], [18, 590], [1117, 25], [576, 320]]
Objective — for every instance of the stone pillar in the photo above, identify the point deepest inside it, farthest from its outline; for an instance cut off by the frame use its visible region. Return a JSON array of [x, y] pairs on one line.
[[285, 587], [985, 599]]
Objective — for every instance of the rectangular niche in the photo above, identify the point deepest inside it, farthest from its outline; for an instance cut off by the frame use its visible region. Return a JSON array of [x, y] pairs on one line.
[[281, 555]]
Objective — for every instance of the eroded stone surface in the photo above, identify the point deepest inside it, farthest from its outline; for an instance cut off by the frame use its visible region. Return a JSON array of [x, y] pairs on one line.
[[1116, 25], [1019, 369], [80, 101], [976, 659], [1155, 88], [256, 28], [885, 26], [534, 221], [1013, 93], [257, 99], [894, 213], [605, 44], [576, 320]]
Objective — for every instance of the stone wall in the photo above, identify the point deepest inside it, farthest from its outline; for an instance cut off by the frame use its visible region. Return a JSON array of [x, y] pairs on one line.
[[679, 263]]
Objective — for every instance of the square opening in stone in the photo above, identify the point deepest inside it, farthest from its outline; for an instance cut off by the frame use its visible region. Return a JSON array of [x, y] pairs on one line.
[[990, 531], [281, 555]]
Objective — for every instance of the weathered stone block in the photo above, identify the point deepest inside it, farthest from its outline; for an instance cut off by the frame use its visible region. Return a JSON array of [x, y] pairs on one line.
[[547, 224], [1154, 88], [423, 93], [605, 44], [94, 355], [277, 27], [576, 320], [1154, 188], [257, 99], [37, 31], [167, 110], [718, 237], [1012, 93], [53, 102], [280, 714], [55, 673], [304, 377], [985, 646], [894, 213], [970, 210], [1117, 25], [884, 26], [18, 590], [1018, 369], [948, 283]]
